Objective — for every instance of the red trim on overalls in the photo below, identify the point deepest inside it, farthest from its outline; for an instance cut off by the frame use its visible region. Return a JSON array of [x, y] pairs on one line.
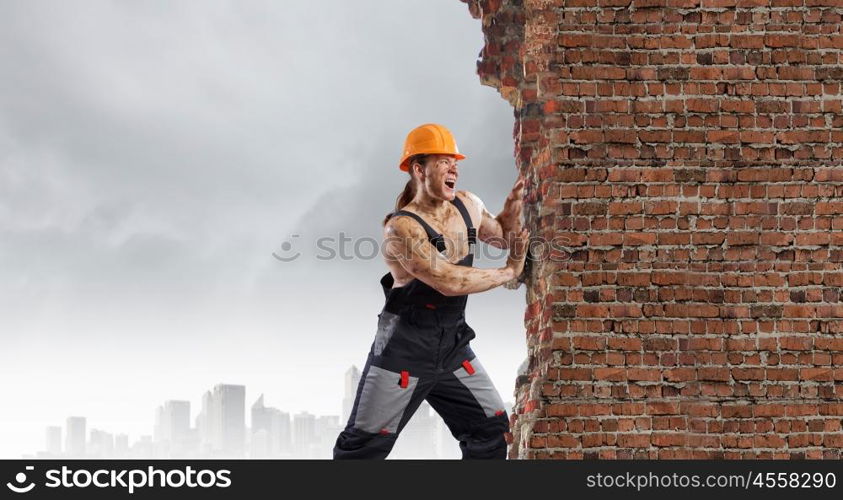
[[404, 378], [499, 412], [468, 367], [430, 306]]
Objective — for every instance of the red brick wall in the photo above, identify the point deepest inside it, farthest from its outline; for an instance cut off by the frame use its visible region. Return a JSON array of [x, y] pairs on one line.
[[690, 154]]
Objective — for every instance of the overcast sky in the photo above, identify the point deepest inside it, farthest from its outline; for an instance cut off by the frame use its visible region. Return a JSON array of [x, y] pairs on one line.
[[154, 155]]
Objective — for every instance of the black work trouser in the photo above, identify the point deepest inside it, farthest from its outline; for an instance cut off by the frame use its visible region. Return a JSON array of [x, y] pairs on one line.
[[386, 399], [422, 353]]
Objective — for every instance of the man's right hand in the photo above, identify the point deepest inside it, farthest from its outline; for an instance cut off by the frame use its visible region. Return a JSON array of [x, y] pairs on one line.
[[518, 253]]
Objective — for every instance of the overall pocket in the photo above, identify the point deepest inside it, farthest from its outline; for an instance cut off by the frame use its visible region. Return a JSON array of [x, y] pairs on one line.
[[383, 400]]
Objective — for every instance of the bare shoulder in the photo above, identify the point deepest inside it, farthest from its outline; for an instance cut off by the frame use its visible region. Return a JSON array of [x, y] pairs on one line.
[[473, 203], [402, 227]]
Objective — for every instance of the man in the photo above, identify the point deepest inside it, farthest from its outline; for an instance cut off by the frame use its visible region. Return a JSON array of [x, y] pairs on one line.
[[421, 349]]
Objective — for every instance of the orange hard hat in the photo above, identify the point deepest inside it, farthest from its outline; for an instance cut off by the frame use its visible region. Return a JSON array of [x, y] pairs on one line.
[[427, 139]]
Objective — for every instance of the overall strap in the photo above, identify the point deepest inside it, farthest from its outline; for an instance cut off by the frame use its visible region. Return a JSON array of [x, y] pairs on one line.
[[432, 236], [472, 231]]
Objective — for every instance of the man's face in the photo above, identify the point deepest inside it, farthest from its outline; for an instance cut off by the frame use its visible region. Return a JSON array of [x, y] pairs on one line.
[[440, 176]]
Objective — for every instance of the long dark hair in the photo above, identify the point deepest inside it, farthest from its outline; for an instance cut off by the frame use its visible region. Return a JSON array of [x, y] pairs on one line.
[[409, 192]]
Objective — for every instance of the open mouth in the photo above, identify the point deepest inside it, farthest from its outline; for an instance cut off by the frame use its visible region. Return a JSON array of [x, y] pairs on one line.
[[451, 183]]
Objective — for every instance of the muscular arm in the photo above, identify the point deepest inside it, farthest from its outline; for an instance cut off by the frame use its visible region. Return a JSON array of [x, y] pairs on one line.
[[406, 242]]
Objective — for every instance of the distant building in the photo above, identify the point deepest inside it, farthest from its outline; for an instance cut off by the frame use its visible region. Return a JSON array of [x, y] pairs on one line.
[[172, 428], [205, 424], [101, 444], [352, 379], [304, 434], [327, 428], [53, 443], [261, 439], [222, 422], [143, 448], [270, 436], [74, 444], [285, 433], [121, 445], [418, 437]]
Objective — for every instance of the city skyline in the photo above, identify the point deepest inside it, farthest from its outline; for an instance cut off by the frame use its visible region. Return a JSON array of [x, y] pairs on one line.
[[220, 430]]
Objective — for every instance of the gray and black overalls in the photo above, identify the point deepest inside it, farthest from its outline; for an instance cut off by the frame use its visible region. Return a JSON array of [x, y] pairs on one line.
[[421, 352]]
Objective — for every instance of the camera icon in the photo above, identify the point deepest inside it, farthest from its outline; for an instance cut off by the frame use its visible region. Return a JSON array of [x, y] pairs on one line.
[[20, 478]]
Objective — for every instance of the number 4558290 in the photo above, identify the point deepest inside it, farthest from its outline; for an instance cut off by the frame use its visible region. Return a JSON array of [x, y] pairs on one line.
[[795, 480]]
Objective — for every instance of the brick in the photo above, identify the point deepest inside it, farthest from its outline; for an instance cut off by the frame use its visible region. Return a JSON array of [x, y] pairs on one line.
[[723, 136]]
